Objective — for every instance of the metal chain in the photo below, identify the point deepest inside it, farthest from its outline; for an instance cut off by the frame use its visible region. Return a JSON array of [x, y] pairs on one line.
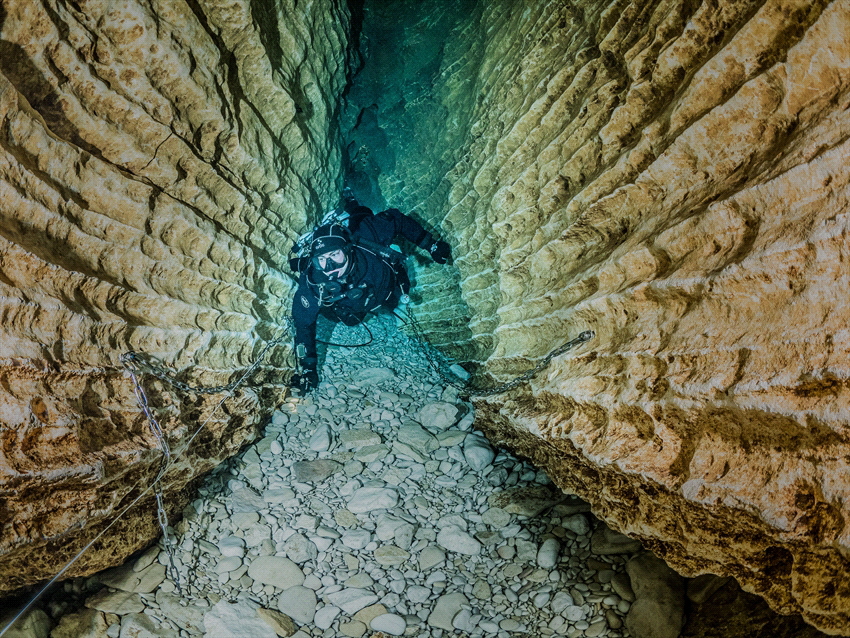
[[429, 353], [165, 462], [585, 336], [142, 399], [135, 359], [167, 541], [161, 374], [467, 388], [133, 364]]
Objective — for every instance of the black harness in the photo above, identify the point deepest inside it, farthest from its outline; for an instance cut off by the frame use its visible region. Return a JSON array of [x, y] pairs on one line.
[[331, 292]]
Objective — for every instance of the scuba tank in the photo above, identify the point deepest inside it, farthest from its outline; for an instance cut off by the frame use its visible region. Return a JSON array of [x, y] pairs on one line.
[[338, 215]]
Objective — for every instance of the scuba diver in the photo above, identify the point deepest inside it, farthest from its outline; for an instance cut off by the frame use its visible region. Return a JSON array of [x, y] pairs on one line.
[[347, 269]]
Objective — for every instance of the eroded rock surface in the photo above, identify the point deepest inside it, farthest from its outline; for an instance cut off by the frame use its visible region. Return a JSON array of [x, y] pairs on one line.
[[671, 175], [156, 161]]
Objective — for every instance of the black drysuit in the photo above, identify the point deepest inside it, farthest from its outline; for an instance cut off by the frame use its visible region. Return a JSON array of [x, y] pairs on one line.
[[375, 278]]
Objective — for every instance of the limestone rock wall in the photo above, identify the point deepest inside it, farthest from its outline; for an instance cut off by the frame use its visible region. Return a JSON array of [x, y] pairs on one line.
[[156, 161], [407, 125], [669, 174], [672, 175]]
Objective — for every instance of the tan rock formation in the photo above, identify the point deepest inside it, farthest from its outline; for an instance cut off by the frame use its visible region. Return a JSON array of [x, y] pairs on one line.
[[673, 176], [156, 161]]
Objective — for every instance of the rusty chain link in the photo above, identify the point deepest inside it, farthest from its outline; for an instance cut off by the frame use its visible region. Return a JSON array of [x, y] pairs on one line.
[[134, 364], [165, 462]]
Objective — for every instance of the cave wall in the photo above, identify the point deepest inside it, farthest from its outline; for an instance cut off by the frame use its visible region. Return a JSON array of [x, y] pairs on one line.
[[672, 175], [156, 162], [669, 174]]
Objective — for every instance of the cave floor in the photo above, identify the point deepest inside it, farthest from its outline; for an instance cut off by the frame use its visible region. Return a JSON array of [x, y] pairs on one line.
[[374, 508], [373, 505]]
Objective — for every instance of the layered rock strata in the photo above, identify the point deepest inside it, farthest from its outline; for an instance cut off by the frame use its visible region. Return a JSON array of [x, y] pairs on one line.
[[156, 161], [671, 175]]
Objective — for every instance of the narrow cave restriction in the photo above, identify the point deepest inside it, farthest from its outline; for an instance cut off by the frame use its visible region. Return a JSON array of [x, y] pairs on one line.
[[349, 267], [373, 504]]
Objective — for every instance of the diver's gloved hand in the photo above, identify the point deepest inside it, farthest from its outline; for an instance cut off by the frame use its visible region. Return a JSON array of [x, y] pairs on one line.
[[440, 251], [305, 382]]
